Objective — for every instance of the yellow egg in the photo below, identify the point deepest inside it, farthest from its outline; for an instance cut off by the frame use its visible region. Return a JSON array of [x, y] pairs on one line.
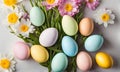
[[39, 53], [86, 26], [104, 60]]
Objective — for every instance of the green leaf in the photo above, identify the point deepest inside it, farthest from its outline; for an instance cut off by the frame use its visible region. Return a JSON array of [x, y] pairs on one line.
[[31, 3]]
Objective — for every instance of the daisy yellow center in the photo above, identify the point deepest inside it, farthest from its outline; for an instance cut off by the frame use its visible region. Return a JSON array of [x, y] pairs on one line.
[[50, 1], [91, 1], [5, 63], [24, 28], [10, 2], [13, 18], [68, 7], [105, 17]]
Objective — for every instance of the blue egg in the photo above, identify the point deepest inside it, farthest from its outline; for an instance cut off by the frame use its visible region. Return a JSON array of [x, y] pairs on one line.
[[93, 43], [37, 16], [59, 62], [69, 46]]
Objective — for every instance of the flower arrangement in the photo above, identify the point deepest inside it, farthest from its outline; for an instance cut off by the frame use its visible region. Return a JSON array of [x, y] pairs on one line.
[[51, 28]]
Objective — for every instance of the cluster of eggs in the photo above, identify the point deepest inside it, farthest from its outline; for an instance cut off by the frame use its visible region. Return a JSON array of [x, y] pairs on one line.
[[92, 44], [49, 37]]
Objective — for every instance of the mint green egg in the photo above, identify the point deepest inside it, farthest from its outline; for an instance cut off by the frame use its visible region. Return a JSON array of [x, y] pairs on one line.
[[59, 62], [37, 16], [69, 25]]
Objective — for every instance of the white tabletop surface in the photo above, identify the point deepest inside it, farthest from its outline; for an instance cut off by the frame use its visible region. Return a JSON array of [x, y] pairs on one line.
[[111, 45]]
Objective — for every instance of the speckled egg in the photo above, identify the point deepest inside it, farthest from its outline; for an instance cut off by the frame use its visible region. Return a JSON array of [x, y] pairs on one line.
[[84, 61], [104, 60], [93, 43], [69, 46], [37, 16], [21, 50], [59, 62], [86, 26], [48, 37], [69, 25], [39, 53]]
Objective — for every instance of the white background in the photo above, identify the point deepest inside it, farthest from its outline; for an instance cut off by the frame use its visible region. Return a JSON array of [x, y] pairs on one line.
[[111, 44]]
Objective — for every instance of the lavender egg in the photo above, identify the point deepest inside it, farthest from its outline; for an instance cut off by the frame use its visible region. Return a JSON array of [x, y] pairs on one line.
[[48, 37]]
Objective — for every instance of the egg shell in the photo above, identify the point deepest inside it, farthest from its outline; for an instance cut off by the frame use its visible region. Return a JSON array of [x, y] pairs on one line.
[[104, 60], [93, 43], [84, 61], [86, 26], [48, 37], [59, 62], [37, 16], [21, 50], [39, 53], [69, 46], [69, 25]]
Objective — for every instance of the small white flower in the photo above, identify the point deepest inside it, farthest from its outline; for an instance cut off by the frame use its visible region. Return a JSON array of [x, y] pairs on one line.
[[24, 28], [13, 16], [7, 63], [104, 16], [10, 16]]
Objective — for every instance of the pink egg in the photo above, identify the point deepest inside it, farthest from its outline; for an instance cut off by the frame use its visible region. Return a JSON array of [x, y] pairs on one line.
[[84, 61], [21, 50]]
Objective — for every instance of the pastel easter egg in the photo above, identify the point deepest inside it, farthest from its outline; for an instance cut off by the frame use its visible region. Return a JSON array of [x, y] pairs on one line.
[[69, 25], [104, 60], [69, 46], [93, 43], [37, 16], [59, 62], [84, 61], [86, 26], [48, 37], [39, 53], [21, 50]]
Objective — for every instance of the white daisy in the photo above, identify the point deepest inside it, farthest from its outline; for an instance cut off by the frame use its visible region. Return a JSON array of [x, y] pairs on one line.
[[104, 16], [7, 63], [13, 16], [10, 16], [24, 28]]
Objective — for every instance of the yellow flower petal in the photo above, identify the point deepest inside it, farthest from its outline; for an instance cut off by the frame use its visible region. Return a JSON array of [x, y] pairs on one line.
[[50, 1], [5, 63], [105, 17], [68, 7], [13, 18], [10, 2], [24, 28], [90, 1]]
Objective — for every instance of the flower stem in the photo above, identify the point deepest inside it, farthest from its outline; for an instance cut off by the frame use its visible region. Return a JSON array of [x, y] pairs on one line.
[[31, 3]]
